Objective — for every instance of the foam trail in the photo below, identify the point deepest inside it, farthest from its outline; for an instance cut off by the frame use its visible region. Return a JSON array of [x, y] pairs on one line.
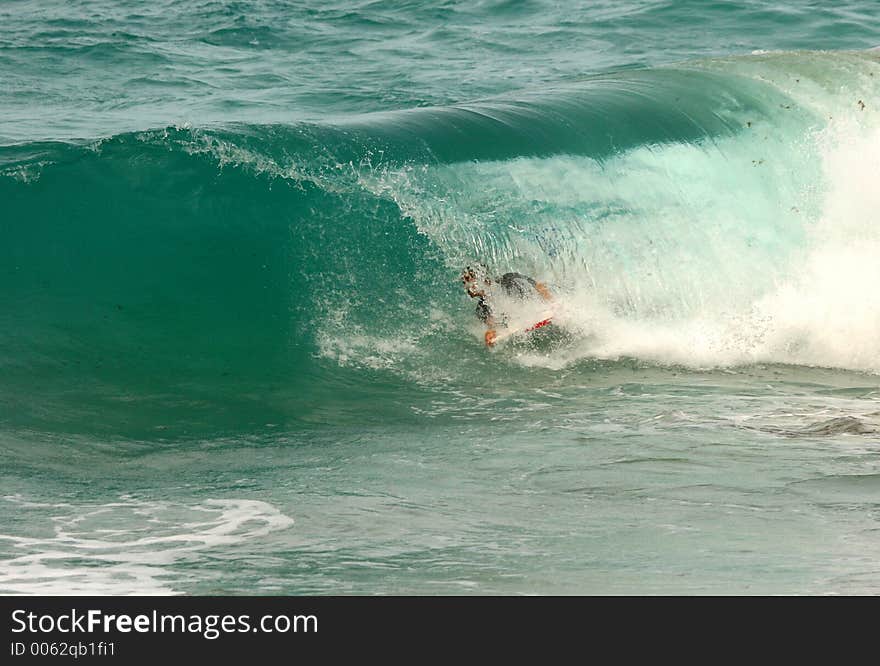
[[130, 546]]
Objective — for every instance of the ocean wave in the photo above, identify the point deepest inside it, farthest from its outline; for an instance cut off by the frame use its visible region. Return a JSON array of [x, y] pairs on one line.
[[714, 213]]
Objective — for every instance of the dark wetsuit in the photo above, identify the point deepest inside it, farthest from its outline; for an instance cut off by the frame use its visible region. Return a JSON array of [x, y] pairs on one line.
[[513, 284]]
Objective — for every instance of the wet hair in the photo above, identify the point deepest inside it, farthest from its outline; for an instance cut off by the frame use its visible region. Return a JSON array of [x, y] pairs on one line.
[[478, 271]]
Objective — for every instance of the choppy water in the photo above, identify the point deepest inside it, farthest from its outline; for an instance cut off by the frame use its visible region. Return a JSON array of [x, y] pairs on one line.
[[235, 357]]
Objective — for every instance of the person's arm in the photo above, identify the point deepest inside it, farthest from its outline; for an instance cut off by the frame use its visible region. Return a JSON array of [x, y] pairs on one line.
[[542, 289], [491, 334]]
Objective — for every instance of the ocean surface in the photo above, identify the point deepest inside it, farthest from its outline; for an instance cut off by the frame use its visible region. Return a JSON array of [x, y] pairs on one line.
[[235, 356]]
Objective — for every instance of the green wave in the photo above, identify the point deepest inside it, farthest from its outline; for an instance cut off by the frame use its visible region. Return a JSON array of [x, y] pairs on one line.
[[198, 260]]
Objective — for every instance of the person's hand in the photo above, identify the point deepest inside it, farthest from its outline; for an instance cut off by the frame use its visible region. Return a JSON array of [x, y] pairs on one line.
[[490, 337]]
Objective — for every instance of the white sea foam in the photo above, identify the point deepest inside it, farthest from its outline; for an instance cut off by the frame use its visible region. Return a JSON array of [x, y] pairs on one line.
[[126, 547], [824, 308]]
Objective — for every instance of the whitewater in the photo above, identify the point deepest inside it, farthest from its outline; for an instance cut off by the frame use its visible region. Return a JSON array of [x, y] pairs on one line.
[[235, 356]]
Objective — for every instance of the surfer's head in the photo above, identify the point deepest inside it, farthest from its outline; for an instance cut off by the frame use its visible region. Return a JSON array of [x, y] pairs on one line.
[[475, 280]]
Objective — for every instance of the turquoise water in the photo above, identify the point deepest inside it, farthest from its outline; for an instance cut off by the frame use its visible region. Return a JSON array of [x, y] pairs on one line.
[[235, 357]]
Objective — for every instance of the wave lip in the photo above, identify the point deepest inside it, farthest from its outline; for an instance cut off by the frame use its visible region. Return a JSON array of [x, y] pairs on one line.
[[600, 116]]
